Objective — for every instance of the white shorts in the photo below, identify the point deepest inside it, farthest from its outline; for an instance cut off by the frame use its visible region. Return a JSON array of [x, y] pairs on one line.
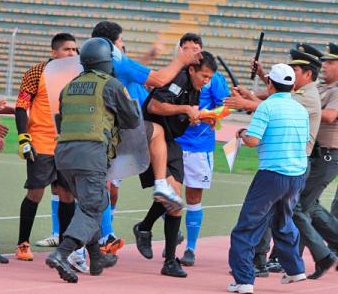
[[198, 167]]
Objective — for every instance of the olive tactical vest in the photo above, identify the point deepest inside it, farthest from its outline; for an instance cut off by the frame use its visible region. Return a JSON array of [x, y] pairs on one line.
[[84, 114]]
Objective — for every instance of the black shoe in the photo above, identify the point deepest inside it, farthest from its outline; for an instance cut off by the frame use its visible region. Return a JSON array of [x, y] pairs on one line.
[[188, 258], [143, 242], [59, 262], [180, 239], [322, 266], [3, 259], [99, 261], [97, 265], [273, 266], [173, 268], [261, 271]]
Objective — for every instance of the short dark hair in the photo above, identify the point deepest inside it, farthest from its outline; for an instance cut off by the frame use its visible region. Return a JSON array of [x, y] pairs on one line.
[[313, 69], [208, 60], [59, 39], [281, 87], [107, 29], [191, 37]]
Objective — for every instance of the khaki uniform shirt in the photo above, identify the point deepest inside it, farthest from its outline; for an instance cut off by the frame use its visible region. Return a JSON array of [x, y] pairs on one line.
[[309, 97], [328, 133]]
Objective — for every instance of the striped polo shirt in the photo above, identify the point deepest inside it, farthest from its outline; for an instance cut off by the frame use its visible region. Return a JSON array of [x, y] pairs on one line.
[[282, 125]]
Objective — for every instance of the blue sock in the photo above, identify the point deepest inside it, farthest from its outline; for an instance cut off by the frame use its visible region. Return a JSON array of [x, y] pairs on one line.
[[112, 211], [193, 221], [106, 226], [55, 215]]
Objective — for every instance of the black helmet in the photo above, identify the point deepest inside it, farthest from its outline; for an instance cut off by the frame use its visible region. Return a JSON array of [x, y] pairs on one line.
[[97, 54]]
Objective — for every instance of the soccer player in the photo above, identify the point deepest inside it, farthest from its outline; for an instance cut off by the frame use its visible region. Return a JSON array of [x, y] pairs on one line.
[[37, 143], [174, 107], [198, 144]]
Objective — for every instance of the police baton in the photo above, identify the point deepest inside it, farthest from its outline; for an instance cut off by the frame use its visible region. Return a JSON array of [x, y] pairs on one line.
[[258, 53], [229, 72]]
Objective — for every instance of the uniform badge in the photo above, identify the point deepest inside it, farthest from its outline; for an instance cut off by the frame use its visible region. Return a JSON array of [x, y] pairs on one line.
[[175, 89]]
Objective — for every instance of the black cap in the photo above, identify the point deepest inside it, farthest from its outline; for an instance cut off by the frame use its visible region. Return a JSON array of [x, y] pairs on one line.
[[307, 48], [332, 54], [301, 58]]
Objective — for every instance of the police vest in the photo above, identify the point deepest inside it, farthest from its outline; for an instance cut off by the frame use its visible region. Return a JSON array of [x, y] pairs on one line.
[[84, 114]]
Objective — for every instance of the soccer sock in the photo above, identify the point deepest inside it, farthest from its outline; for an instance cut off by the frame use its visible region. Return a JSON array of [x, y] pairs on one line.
[[155, 211], [160, 183], [106, 226], [171, 227], [55, 216], [193, 221], [27, 215], [66, 212], [112, 212]]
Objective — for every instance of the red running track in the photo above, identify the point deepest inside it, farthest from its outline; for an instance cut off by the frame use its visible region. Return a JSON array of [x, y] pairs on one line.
[[134, 274]]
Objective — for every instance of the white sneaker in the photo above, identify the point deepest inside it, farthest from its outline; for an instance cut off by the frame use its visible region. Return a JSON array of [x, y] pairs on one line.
[[240, 288], [52, 241], [78, 261], [166, 195], [291, 279]]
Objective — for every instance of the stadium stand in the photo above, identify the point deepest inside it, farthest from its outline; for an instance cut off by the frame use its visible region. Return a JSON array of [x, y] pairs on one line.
[[229, 28]]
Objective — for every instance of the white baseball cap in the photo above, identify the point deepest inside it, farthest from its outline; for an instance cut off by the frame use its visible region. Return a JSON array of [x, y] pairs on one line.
[[283, 74]]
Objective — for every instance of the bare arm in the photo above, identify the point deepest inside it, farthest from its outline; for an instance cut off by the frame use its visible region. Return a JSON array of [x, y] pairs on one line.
[[167, 109], [249, 141], [329, 115], [165, 75], [4, 108], [237, 101]]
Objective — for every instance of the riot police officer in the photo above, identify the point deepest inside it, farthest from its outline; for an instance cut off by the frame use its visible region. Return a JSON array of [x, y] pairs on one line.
[[93, 107]]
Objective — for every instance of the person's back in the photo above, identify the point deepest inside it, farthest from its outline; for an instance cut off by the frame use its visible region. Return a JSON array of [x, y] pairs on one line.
[[283, 144]]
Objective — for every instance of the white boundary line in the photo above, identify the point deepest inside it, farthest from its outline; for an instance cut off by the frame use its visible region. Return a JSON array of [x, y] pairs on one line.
[[140, 210]]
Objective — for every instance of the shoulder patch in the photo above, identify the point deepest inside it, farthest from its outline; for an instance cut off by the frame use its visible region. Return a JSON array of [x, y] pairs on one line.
[[125, 92], [173, 88]]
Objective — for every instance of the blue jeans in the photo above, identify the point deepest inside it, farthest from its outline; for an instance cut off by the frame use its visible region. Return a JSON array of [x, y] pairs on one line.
[[269, 202]]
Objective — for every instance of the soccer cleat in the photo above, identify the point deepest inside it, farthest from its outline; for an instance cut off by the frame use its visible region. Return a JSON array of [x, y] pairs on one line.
[[78, 261], [322, 266], [274, 266], [112, 245], [188, 258], [57, 261], [23, 252], [286, 279], [143, 242], [52, 241], [173, 268], [180, 239], [3, 259], [169, 199], [261, 271], [240, 288]]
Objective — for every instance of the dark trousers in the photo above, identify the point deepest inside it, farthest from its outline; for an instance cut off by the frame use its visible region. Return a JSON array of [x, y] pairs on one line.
[[269, 201], [314, 221], [89, 188]]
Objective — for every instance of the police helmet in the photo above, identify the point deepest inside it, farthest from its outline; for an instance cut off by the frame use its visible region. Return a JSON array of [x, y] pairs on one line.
[[97, 54]]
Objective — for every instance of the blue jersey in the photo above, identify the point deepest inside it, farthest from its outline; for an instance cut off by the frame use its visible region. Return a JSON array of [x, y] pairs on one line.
[[138, 91], [201, 138], [133, 76]]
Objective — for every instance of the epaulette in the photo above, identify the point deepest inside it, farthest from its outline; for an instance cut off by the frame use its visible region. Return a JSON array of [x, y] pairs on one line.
[[300, 92]]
